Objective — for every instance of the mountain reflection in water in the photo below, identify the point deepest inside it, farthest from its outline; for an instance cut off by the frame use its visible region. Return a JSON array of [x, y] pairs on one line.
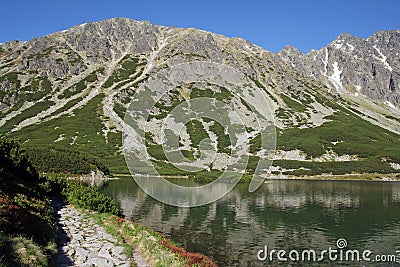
[[283, 214]]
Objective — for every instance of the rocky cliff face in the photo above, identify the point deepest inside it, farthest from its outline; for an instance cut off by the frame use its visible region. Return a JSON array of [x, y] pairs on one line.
[[348, 65], [351, 65], [72, 88], [55, 67]]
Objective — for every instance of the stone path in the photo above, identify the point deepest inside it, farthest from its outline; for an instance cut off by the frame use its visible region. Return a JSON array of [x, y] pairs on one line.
[[84, 243]]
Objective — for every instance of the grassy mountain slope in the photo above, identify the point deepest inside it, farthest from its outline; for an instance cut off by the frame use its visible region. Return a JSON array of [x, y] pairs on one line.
[[70, 90]]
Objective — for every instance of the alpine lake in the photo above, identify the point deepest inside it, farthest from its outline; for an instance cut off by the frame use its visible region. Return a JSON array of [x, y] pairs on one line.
[[281, 215]]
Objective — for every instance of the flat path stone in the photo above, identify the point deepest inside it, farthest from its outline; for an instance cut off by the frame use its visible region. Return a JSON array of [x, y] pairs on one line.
[[82, 242]]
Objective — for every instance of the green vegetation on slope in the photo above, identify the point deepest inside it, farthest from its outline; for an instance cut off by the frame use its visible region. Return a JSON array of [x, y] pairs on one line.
[[27, 226], [129, 66], [224, 94], [196, 132], [354, 135], [26, 114], [223, 139], [82, 132], [334, 167], [81, 85], [345, 133], [12, 77], [293, 104], [37, 88], [54, 159]]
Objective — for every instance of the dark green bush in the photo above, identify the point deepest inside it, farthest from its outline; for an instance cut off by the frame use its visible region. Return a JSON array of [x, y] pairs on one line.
[[205, 177], [79, 194], [334, 167], [52, 159], [356, 136], [87, 197], [14, 159]]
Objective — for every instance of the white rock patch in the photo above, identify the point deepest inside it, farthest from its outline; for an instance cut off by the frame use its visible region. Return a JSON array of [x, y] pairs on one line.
[[333, 156], [335, 77], [290, 155], [395, 166], [382, 58], [60, 138], [390, 104]]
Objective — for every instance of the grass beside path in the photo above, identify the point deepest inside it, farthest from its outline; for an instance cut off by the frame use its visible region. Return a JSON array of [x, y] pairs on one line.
[[155, 248]]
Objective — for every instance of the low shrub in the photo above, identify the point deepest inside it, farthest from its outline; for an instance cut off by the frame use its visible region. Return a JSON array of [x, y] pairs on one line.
[[191, 259], [87, 197], [79, 194], [57, 159]]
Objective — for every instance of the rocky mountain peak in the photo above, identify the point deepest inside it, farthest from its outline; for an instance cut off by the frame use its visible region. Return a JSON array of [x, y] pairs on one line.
[[289, 49], [355, 67], [348, 65], [72, 87]]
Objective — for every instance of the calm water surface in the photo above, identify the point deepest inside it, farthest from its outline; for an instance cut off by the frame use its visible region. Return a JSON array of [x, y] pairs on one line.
[[281, 214]]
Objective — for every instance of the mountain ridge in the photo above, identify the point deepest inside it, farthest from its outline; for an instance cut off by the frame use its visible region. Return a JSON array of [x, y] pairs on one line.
[[60, 84], [358, 76]]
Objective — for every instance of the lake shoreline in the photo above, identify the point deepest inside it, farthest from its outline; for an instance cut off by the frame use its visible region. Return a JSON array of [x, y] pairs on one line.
[[373, 177]]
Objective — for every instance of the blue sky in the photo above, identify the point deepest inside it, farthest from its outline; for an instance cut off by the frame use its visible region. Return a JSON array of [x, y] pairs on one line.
[[305, 24]]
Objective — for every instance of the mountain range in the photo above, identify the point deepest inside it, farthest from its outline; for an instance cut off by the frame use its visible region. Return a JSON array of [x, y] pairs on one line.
[[337, 109]]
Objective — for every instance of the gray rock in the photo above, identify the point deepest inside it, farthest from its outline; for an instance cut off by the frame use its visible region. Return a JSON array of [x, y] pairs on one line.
[[73, 229], [81, 252], [101, 262], [104, 253], [122, 257], [108, 246], [77, 237], [118, 250], [92, 246], [70, 251], [93, 254]]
